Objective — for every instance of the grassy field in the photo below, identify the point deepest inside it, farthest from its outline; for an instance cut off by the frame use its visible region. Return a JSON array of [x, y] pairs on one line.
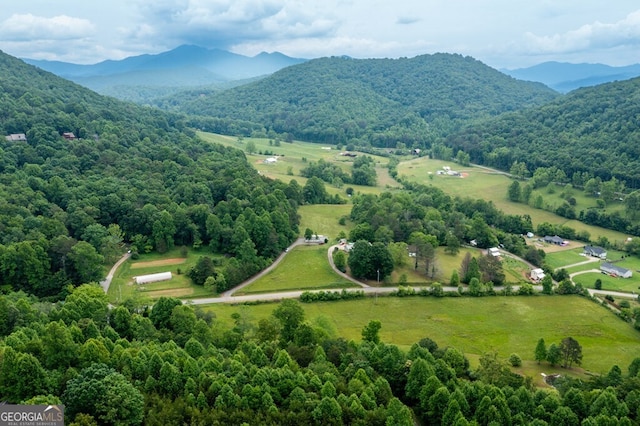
[[304, 268], [609, 283], [505, 324], [323, 219], [293, 157], [493, 186], [123, 285]]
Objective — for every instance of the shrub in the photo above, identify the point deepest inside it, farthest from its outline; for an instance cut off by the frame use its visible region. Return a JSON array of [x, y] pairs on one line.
[[515, 360]]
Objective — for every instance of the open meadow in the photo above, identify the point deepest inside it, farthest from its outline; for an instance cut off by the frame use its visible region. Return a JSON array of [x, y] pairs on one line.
[[303, 268], [293, 157], [492, 186], [324, 219], [175, 261], [475, 325]]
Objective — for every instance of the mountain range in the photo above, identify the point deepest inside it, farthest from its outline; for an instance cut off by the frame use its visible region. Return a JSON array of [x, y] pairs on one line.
[[147, 77], [184, 67], [565, 77]]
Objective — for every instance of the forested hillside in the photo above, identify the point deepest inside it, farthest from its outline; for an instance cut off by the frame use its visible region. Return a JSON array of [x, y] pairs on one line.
[[371, 101], [593, 130], [127, 175]]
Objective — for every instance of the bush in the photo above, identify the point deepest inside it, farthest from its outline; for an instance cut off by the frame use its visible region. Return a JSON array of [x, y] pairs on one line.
[[625, 304], [515, 360]]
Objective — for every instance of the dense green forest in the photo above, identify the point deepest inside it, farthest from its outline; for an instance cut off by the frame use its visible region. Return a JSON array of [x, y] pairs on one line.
[[174, 364], [367, 101], [134, 175], [593, 130]]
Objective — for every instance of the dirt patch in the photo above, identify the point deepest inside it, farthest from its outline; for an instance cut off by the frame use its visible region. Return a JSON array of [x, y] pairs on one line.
[[161, 262], [171, 292], [464, 175]]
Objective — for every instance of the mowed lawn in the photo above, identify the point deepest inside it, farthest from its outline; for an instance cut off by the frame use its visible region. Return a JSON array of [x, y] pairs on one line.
[[476, 325], [303, 268]]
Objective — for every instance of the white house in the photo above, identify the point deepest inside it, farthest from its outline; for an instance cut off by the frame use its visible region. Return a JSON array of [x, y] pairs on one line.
[[317, 239], [270, 160], [616, 271], [537, 274], [152, 278], [493, 251]]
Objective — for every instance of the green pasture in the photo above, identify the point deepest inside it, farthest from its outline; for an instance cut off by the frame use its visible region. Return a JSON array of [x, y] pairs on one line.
[[492, 186], [303, 268], [290, 161], [554, 194], [477, 325], [323, 219], [123, 286], [609, 283]]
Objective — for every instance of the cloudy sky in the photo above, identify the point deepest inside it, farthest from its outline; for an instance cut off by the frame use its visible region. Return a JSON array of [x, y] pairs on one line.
[[501, 33]]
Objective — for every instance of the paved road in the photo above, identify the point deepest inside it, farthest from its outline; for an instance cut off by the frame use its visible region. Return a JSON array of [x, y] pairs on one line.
[[107, 281]]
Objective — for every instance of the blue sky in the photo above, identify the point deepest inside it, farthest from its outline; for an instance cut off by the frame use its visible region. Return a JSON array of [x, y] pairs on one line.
[[501, 33]]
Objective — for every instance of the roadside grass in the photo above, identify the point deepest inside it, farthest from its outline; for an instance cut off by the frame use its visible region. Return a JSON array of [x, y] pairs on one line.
[[609, 283], [586, 267], [123, 286], [515, 270], [478, 325], [444, 263], [303, 268], [493, 186], [323, 219]]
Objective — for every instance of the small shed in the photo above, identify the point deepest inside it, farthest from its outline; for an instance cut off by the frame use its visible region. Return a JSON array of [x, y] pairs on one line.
[[616, 271], [537, 274], [493, 251], [152, 278]]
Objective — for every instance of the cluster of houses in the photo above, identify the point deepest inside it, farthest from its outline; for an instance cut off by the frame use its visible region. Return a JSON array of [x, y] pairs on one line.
[[21, 137], [446, 170], [608, 268]]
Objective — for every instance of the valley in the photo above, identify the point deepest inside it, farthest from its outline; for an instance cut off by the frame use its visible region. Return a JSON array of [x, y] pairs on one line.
[[406, 166]]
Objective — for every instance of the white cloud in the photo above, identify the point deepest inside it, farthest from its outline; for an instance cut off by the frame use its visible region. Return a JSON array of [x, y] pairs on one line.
[[597, 35], [29, 28]]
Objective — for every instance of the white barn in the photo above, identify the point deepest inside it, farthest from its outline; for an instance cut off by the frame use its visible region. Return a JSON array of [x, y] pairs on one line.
[[537, 274], [152, 278]]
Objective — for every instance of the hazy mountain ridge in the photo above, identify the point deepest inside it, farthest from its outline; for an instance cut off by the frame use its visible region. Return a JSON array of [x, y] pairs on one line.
[[183, 67], [565, 77], [410, 100]]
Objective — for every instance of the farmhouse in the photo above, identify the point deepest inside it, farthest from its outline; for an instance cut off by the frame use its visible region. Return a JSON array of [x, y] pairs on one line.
[[270, 160], [16, 137], [317, 239], [555, 240], [616, 271], [69, 136], [537, 274], [595, 251], [493, 251], [152, 278]]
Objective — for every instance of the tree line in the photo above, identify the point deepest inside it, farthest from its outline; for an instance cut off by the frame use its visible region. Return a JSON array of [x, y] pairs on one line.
[[174, 363]]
